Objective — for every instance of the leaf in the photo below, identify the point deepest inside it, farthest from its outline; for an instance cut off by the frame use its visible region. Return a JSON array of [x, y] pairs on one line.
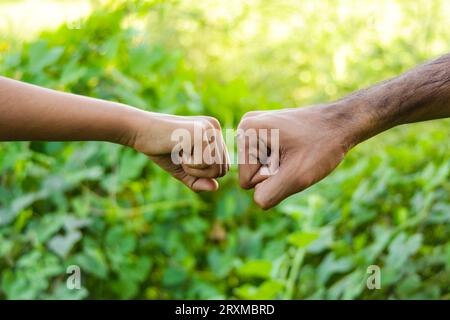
[[266, 291], [400, 251], [45, 228], [220, 263], [61, 292], [72, 73], [323, 241], [61, 245], [92, 261], [41, 56], [24, 201], [119, 241], [131, 165], [173, 276], [331, 265], [348, 287], [303, 239], [16, 288], [72, 223], [6, 216], [255, 269], [401, 248]]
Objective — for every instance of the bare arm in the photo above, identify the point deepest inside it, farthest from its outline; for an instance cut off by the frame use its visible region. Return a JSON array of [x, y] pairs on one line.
[[420, 94], [29, 112], [314, 140]]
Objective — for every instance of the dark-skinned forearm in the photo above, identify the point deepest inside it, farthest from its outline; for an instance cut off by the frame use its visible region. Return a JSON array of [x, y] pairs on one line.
[[420, 94]]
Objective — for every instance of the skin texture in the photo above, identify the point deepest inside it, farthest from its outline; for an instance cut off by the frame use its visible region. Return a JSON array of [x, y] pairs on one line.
[[31, 113], [314, 140]]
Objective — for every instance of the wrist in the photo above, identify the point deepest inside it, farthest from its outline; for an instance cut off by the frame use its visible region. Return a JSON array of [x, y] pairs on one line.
[[150, 133], [358, 118], [353, 119], [131, 121]]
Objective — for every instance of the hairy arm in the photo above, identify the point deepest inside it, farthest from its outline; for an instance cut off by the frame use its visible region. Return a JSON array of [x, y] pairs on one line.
[[314, 140], [420, 94]]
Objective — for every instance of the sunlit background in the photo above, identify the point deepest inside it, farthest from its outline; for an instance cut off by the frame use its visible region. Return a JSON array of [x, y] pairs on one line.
[[136, 233]]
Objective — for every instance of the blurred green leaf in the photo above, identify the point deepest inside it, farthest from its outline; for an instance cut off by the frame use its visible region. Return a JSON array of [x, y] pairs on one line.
[[255, 269], [303, 239], [268, 290]]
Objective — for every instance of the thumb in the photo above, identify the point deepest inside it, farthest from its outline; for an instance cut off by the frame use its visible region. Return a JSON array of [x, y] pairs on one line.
[[204, 184], [274, 189]]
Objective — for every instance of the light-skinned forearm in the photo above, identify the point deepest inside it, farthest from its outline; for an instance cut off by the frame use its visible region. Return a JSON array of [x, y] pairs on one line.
[[32, 113]]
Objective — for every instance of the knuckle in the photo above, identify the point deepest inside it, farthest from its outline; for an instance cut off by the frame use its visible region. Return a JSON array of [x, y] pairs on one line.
[[216, 171], [262, 201], [245, 183], [209, 175], [213, 122], [212, 171], [204, 124], [222, 173], [223, 170], [250, 114], [246, 123]]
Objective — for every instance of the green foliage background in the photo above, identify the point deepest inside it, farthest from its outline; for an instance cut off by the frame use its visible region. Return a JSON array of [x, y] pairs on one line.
[[137, 233]]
